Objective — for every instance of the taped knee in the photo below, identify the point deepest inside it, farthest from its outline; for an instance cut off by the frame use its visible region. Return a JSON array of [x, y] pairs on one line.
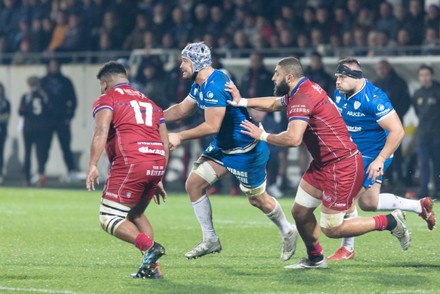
[[305, 199], [205, 171], [253, 192], [330, 221], [112, 215]]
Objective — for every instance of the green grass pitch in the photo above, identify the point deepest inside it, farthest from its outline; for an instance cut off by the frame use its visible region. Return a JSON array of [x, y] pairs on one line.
[[51, 242]]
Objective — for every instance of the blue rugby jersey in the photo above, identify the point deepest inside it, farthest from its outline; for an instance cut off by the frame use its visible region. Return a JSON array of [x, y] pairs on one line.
[[361, 112], [212, 93]]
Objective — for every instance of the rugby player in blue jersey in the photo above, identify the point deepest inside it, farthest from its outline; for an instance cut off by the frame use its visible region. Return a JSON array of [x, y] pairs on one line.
[[376, 129], [230, 151]]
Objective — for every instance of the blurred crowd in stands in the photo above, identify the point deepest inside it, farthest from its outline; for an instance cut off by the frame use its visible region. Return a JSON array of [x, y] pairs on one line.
[[332, 27]]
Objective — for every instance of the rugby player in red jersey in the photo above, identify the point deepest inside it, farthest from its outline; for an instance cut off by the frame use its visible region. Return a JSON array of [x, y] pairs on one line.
[[132, 130], [335, 175]]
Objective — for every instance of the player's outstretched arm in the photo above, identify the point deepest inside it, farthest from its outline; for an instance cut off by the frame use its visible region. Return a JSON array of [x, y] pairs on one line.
[[181, 110], [213, 120], [103, 120], [292, 137], [163, 132], [268, 104]]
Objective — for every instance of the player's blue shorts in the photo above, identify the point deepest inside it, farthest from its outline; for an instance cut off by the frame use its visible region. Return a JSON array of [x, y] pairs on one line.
[[367, 161], [249, 168]]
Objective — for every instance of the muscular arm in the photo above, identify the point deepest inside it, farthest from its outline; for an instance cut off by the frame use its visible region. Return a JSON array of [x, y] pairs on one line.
[[393, 125], [180, 111], [292, 137], [213, 120], [103, 120], [395, 134], [268, 104], [163, 132]]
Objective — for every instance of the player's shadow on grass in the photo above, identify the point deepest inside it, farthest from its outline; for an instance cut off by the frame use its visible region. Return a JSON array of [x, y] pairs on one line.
[[166, 285]]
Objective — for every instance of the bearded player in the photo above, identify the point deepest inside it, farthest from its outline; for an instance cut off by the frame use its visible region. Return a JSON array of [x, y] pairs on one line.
[[335, 175]]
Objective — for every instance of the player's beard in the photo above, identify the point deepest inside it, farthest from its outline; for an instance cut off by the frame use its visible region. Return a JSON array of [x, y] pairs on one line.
[[281, 89]]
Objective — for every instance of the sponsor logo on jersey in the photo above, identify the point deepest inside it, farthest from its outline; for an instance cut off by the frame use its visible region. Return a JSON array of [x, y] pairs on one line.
[[354, 129], [355, 113], [128, 194], [383, 112], [299, 108], [201, 96], [380, 107], [145, 149], [242, 176], [156, 171], [210, 95], [119, 90], [338, 99], [356, 105]]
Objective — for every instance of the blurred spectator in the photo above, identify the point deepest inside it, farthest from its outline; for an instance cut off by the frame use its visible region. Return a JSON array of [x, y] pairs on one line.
[[48, 28], [107, 48], [5, 113], [217, 22], [250, 28], [4, 49], [167, 42], [365, 18], [59, 32], [404, 42], [24, 55], [431, 43], [74, 39], [316, 73], [416, 22], [303, 45], [62, 99], [340, 23], [37, 39], [286, 38], [309, 20], [353, 8], [265, 29], [179, 29], [224, 41], [23, 33], [400, 16], [10, 16], [201, 21], [135, 85], [387, 22], [160, 20], [135, 40], [432, 19], [34, 110], [257, 80], [426, 101], [110, 26], [396, 89], [149, 41], [323, 23], [317, 41], [240, 42], [155, 83], [384, 46], [92, 13], [360, 46]]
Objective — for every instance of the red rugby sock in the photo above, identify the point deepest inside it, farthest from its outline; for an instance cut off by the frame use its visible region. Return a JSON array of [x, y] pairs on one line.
[[143, 242], [381, 222]]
